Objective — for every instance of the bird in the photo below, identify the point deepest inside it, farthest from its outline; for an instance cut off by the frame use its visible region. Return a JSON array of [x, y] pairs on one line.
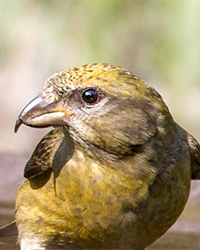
[[115, 170]]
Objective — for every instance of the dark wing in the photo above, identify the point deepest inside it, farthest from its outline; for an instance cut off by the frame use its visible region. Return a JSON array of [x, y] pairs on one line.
[[52, 152], [43, 156], [8, 230], [195, 157]]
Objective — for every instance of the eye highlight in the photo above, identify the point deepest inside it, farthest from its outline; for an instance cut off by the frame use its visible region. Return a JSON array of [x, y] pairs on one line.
[[90, 96]]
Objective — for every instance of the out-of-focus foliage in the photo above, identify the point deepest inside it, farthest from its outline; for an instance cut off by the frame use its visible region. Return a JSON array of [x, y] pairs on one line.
[[157, 39]]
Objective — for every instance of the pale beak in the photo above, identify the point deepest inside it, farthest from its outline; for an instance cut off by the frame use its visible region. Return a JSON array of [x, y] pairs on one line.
[[38, 113]]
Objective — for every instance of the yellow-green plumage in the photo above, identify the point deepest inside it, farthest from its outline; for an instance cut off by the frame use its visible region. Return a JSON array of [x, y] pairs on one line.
[[113, 174]]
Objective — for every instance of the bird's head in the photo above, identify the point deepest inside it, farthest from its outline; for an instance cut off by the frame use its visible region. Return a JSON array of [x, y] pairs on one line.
[[100, 106]]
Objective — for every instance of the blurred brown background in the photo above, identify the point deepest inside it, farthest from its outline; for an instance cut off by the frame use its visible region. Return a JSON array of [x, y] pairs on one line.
[[159, 40]]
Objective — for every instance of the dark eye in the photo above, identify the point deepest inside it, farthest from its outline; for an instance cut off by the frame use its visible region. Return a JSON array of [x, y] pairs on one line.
[[90, 96]]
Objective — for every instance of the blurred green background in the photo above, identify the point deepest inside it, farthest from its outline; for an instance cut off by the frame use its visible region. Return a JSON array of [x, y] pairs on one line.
[[159, 40]]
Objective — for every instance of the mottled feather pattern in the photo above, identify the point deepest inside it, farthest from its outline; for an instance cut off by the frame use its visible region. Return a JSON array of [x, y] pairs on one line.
[[42, 158]]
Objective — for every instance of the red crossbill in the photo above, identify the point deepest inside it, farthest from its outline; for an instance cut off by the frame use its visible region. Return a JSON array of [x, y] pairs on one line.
[[115, 171]]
